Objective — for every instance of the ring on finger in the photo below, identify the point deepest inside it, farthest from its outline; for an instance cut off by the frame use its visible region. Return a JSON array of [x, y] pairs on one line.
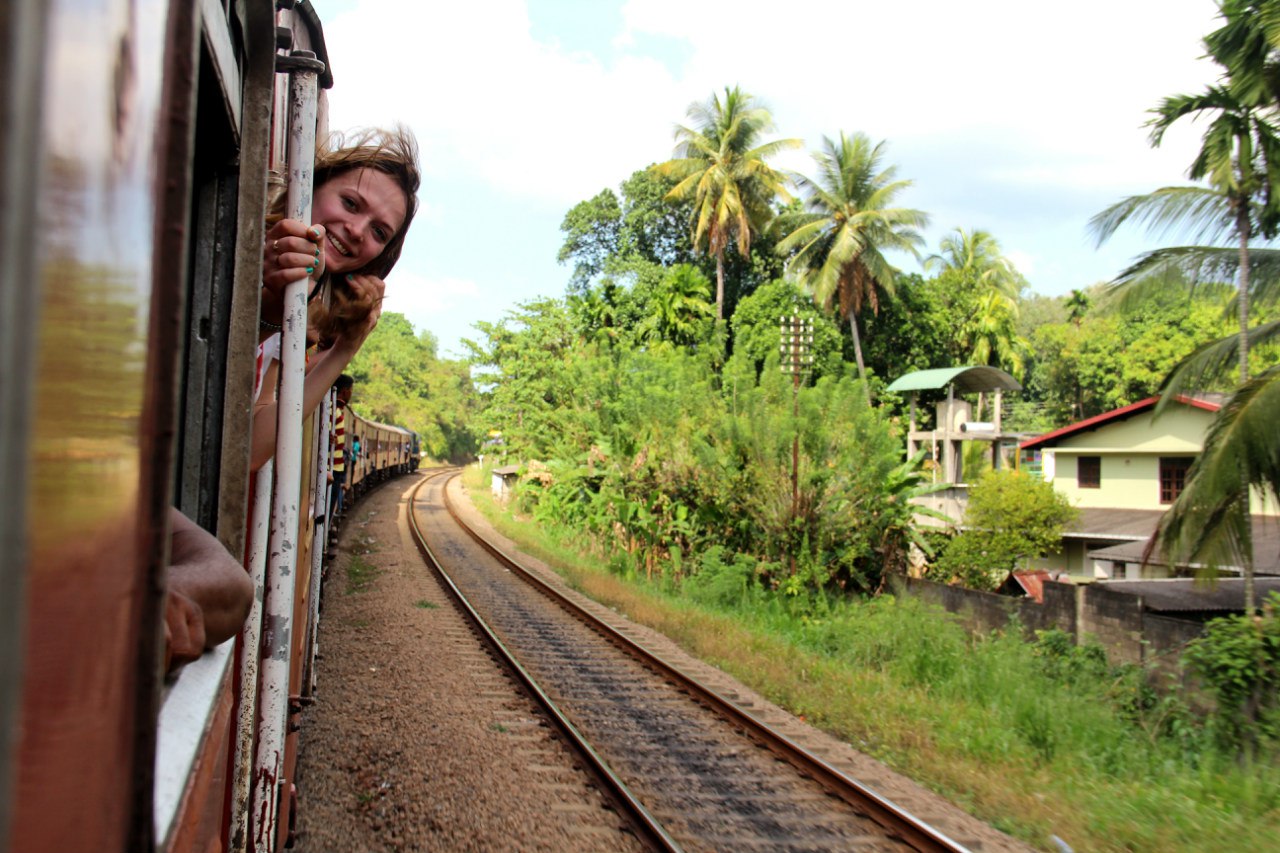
[[276, 247]]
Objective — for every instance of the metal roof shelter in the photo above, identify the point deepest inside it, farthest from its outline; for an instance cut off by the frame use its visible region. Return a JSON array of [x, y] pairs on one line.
[[953, 416], [973, 380]]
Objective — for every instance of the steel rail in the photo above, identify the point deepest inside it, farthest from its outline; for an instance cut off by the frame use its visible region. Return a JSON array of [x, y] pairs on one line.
[[883, 811], [652, 830]]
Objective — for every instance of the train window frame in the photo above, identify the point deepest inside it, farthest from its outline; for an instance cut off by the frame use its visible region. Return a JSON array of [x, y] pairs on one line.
[[186, 712], [23, 24], [210, 283]]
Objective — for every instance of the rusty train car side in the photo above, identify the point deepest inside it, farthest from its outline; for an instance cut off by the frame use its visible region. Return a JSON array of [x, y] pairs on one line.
[[135, 152]]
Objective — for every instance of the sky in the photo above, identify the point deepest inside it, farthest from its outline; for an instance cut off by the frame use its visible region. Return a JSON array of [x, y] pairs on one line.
[[1022, 118]]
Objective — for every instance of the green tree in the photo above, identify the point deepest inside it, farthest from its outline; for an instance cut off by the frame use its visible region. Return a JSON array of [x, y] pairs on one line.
[[1240, 160], [1078, 305], [1117, 358], [400, 380], [1248, 45], [529, 367], [1210, 521], [756, 333], [836, 244], [983, 290], [721, 166], [1238, 660], [912, 331], [593, 235], [976, 257], [1011, 517]]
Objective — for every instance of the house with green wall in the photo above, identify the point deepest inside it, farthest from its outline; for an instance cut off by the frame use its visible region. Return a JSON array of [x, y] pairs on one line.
[[1122, 470]]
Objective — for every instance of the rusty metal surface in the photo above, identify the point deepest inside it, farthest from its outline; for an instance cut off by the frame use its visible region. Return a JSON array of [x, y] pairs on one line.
[[22, 27], [87, 598]]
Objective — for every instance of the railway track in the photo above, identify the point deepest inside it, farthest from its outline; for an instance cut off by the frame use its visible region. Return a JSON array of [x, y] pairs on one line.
[[693, 769]]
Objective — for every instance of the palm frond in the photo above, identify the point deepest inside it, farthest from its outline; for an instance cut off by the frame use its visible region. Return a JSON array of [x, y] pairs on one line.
[[1212, 363], [1210, 519], [1197, 210], [1192, 268]]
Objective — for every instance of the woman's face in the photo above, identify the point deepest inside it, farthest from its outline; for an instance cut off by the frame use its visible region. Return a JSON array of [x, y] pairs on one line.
[[361, 210]]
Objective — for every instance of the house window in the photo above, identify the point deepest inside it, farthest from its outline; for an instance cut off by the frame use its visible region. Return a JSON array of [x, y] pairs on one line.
[[1173, 476], [1089, 472]]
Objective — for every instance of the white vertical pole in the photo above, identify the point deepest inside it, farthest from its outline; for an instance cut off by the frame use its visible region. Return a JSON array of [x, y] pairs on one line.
[[250, 650], [282, 552], [324, 462]]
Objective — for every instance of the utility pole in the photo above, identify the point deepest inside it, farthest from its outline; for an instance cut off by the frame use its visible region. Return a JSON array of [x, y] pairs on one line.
[[796, 350]]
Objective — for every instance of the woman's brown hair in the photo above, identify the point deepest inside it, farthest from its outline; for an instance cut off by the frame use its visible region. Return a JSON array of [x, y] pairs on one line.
[[394, 152]]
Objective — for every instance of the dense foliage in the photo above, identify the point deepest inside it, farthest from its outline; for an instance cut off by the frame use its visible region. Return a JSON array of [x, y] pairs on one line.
[[1238, 660], [660, 450], [401, 381]]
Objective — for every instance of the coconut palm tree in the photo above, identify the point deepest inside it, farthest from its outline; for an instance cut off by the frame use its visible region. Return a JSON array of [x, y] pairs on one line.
[[836, 243], [721, 165], [1240, 159], [1210, 520], [987, 320], [976, 256], [1248, 45], [1077, 305]]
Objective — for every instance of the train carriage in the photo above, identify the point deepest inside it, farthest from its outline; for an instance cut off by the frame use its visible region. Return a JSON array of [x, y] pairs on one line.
[[385, 450], [138, 140]]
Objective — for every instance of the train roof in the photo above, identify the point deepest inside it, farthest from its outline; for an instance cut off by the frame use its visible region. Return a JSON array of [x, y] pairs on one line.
[[379, 425]]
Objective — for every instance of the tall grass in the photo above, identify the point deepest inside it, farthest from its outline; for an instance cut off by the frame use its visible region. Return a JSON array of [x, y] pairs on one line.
[[1039, 739]]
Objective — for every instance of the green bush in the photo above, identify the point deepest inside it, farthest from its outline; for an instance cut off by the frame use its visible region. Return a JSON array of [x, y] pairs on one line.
[[1011, 517], [1238, 660], [721, 583]]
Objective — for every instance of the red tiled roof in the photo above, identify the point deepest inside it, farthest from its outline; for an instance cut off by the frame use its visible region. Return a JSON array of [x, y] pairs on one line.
[[1119, 414]]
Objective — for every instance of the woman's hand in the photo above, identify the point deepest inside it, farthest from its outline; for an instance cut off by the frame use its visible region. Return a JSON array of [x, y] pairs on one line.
[[370, 288], [291, 252]]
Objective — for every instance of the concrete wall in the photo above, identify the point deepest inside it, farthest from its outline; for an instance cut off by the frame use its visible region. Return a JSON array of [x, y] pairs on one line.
[[1089, 613], [1111, 619]]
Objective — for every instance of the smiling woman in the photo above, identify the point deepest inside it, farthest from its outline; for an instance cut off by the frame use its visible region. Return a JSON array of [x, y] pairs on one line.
[[365, 200]]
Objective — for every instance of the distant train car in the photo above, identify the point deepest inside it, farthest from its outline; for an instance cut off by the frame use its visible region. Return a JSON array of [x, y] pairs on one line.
[[135, 153], [385, 451]]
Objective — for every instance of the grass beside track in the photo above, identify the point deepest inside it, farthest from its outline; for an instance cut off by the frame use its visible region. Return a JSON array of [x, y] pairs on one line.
[[1038, 740]]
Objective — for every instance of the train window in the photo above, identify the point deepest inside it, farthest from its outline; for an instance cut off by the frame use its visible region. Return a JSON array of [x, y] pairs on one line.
[[214, 198]]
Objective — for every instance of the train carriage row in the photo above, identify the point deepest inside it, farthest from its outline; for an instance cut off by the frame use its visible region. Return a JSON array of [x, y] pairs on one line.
[[137, 142]]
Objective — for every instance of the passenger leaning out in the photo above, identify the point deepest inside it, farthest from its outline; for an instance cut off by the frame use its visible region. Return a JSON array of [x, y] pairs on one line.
[[364, 201]]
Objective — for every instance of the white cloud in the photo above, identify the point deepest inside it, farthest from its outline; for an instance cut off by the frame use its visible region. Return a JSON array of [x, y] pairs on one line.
[[1019, 117], [422, 299], [490, 103], [1023, 262]]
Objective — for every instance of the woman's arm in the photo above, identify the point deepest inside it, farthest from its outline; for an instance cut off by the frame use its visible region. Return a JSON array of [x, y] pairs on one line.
[[323, 371], [209, 591]]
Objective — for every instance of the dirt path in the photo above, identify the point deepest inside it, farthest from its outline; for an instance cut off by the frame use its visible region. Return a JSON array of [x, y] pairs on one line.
[[417, 741]]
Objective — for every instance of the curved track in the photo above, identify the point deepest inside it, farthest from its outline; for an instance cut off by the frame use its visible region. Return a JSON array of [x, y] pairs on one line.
[[696, 771]]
